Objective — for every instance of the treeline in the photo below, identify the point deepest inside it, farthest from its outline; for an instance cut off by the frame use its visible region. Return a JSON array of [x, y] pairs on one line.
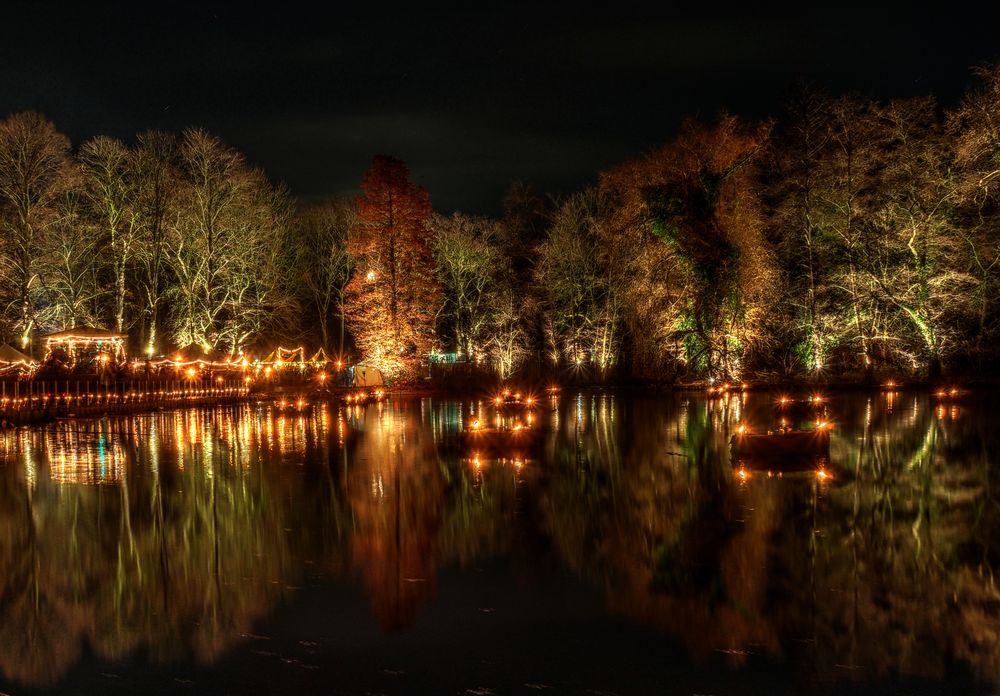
[[846, 239]]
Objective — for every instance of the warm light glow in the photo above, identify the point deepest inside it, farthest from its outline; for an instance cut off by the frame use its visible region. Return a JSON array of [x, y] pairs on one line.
[[741, 429], [742, 474], [475, 424], [191, 373], [822, 474], [370, 276]]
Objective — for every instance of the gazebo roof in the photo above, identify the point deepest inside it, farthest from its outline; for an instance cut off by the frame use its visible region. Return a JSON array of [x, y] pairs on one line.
[[84, 333], [9, 354]]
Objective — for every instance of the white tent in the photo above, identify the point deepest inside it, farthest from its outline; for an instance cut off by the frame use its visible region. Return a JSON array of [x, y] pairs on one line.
[[366, 376]]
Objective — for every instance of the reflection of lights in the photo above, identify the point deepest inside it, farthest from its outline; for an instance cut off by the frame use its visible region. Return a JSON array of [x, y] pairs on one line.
[[822, 475], [741, 429], [743, 474], [822, 425]]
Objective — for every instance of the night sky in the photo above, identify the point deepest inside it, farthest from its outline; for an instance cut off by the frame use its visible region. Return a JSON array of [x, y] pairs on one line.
[[471, 99]]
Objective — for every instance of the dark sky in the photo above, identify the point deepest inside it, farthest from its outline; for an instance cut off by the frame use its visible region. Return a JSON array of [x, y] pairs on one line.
[[471, 99]]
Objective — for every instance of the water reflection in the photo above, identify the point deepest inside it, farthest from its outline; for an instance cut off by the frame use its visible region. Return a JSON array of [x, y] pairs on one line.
[[174, 534]]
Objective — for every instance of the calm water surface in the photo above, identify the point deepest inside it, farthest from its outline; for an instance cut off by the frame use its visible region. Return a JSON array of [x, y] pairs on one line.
[[361, 550]]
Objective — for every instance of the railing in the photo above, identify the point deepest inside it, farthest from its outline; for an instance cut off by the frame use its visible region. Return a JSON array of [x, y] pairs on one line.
[[28, 401]]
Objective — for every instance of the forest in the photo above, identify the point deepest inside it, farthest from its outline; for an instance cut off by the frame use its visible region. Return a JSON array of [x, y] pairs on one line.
[[844, 240]]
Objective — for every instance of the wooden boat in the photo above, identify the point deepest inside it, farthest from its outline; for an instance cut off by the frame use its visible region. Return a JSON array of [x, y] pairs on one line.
[[790, 450], [501, 440], [292, 405]]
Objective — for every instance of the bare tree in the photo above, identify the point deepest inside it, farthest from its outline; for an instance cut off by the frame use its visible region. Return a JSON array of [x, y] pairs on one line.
[[155, 168], [69, 273], [34, 170], [223, 247], [582, 291], [110, 190], [468, 259], [322, 264]]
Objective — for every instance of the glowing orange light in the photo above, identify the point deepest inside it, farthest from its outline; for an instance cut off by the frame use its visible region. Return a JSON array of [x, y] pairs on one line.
[[191, 373], [475, 424], [321, 376], [741, 429], [743, 474], [822, 474]]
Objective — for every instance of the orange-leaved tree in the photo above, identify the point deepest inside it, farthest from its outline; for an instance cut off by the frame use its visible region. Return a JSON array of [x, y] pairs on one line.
[[393, 300]]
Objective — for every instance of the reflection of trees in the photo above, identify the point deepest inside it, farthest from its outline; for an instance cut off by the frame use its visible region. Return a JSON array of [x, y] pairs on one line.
[[908, 546], [647, 509], [211, 514], [886, 569], [180, 558], [413, 512]]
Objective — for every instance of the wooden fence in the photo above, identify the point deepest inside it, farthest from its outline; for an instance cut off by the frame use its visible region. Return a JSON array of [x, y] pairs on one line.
[[23, 402]]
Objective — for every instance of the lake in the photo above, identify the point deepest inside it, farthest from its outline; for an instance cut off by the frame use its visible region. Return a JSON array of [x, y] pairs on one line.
[[357, 550]]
